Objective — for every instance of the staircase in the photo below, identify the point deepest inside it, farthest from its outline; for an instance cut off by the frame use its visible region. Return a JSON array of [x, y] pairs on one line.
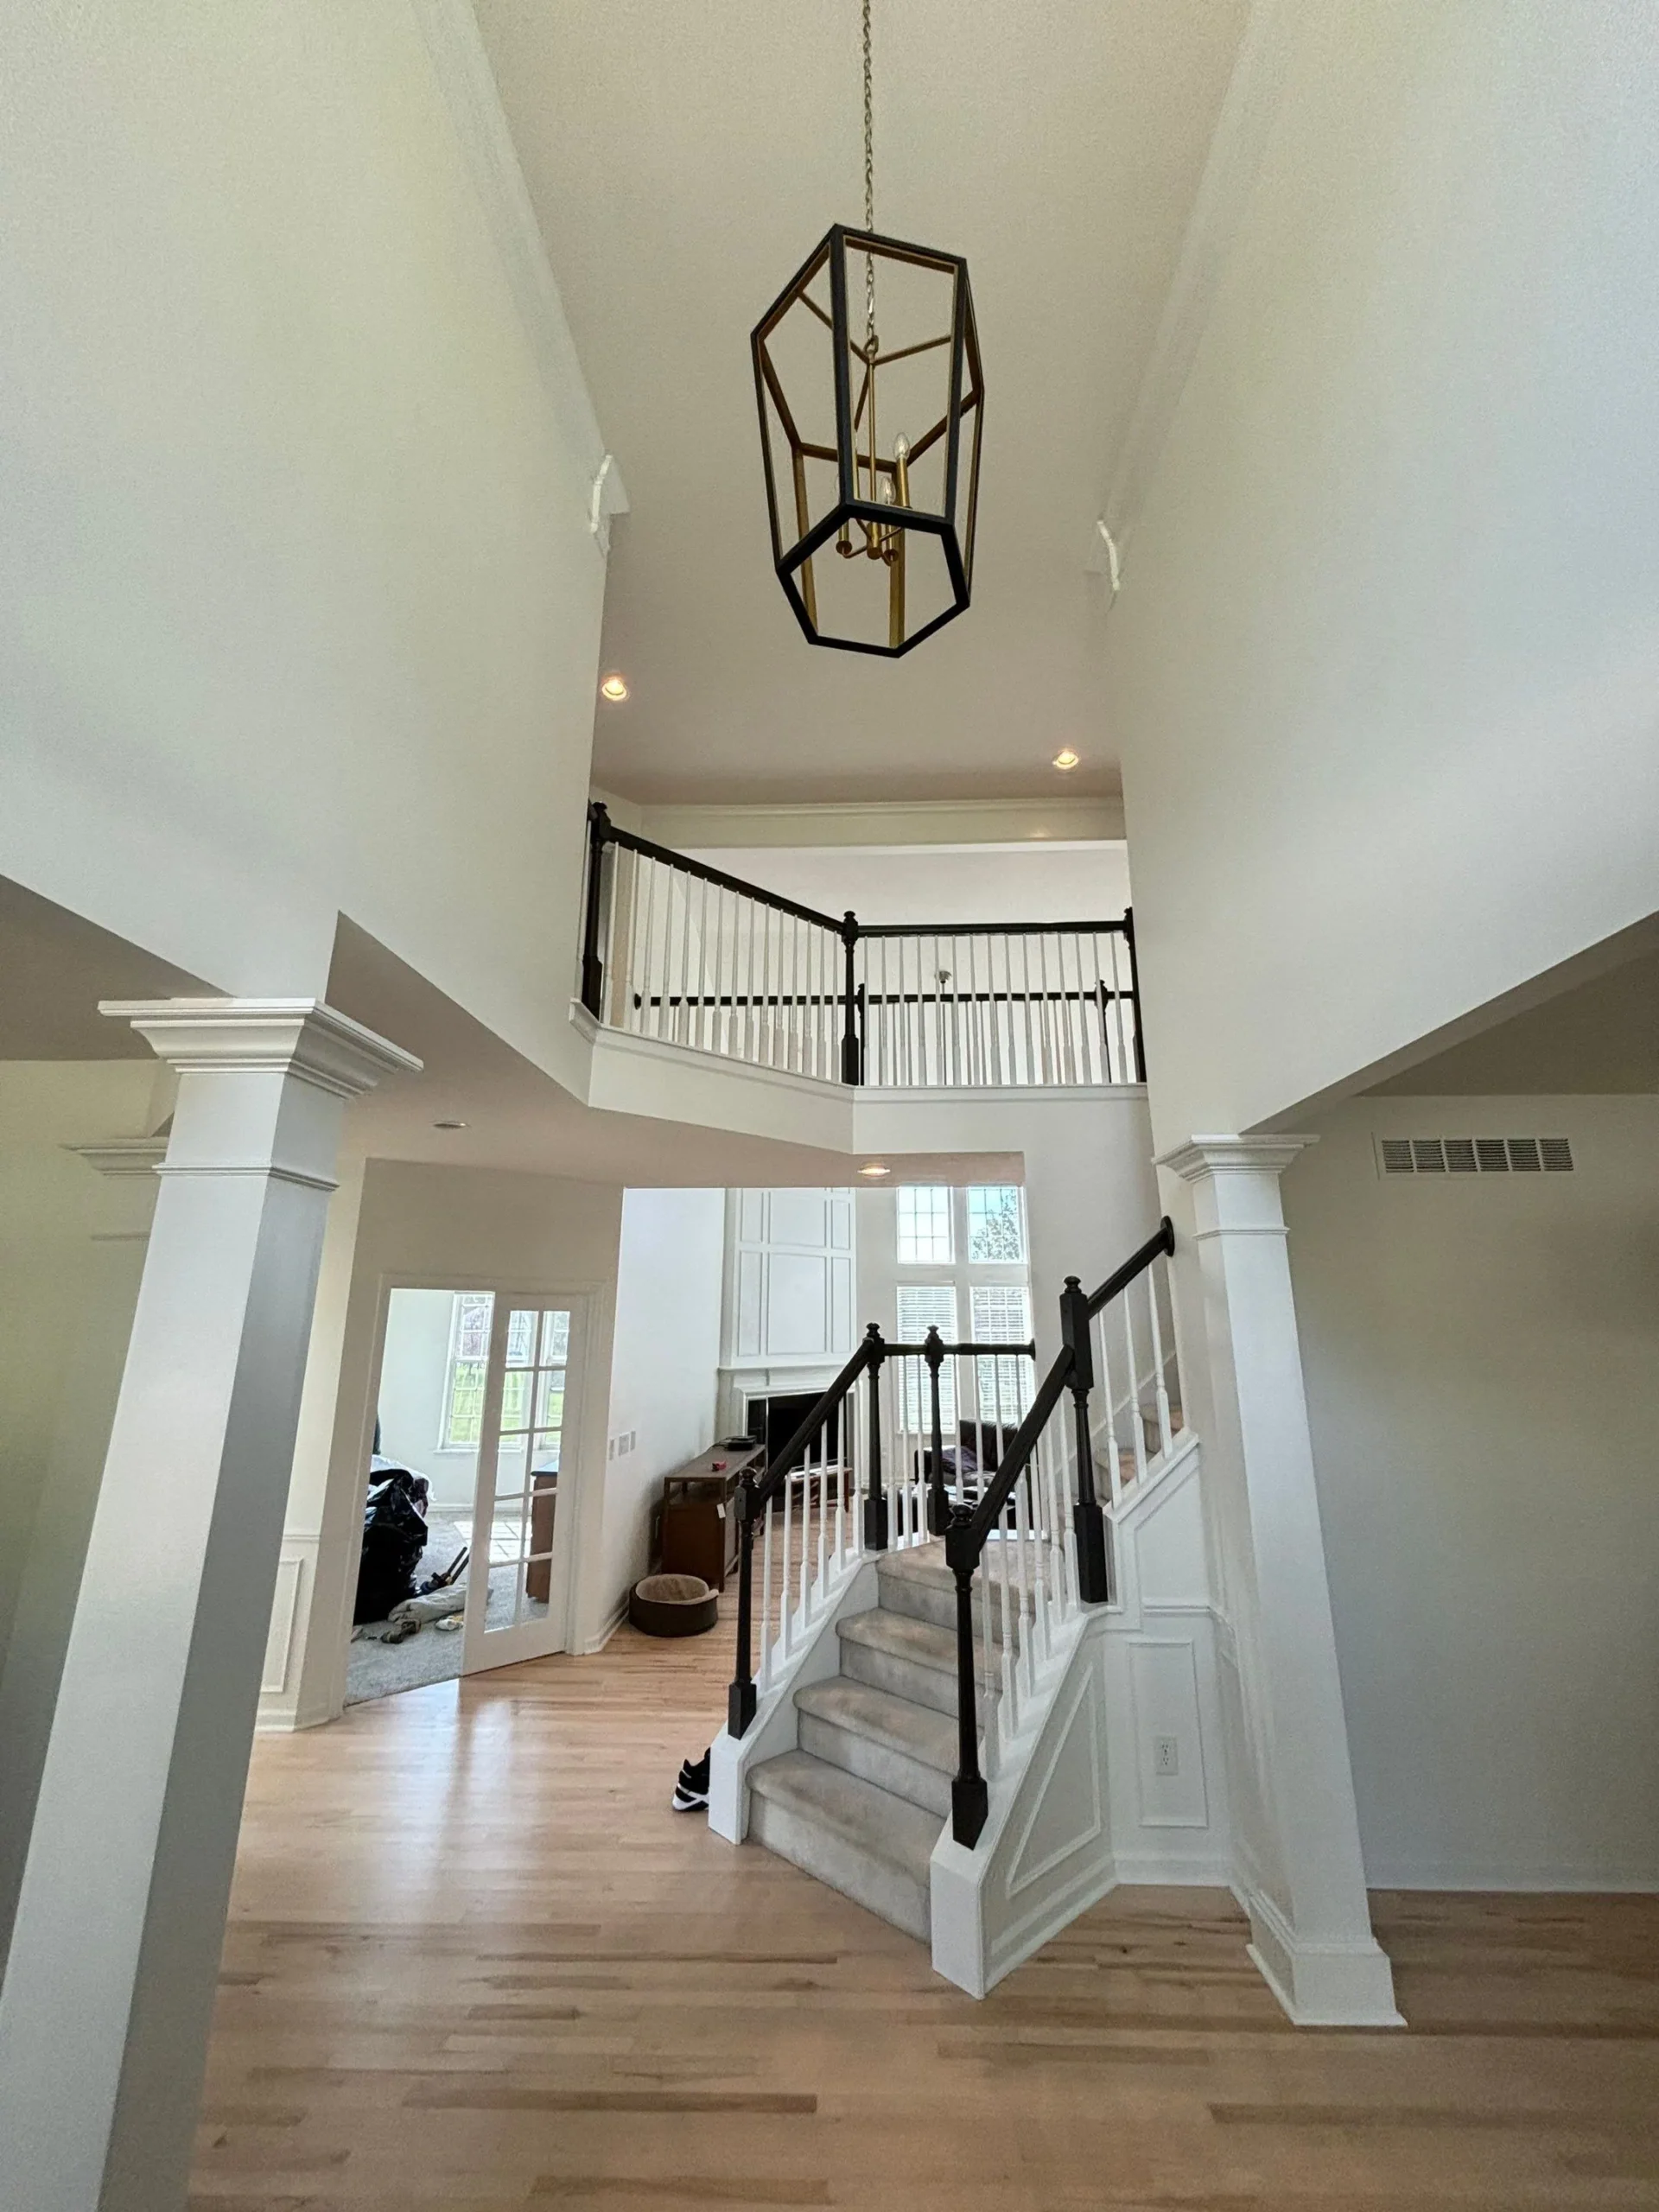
[[862, 1802], [920, 1724]]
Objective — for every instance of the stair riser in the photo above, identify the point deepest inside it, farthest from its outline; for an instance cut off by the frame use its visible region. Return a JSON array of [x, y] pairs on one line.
[[882, 1890], [877, 1763], [924, 1601]]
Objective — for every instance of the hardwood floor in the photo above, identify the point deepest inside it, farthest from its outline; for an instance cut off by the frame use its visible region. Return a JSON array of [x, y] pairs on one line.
[[475, 1962]]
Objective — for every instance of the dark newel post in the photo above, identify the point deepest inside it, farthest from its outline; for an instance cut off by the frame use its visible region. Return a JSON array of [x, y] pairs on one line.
[[875, 1505], [852, 1059], [1094, 1573], [740, 1699], [592, 969], [1134, 993], [970, 1799], [939, 1506]]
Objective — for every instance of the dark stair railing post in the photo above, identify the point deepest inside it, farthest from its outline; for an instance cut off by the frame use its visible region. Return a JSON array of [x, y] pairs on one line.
[[875, 1504], [1134, 993], [939, 1506], [593, 967], [852, 1058], [1094, 1570], [740, 1698], [969, 1798]]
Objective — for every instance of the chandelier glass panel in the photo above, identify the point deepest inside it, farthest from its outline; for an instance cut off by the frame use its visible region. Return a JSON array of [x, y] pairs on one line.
[[867, 378]]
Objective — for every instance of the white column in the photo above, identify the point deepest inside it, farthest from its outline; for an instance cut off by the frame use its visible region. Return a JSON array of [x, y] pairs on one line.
[[1304, 1878], [109, 1990]]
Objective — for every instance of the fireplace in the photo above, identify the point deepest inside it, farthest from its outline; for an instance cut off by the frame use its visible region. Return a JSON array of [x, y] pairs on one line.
[[774, 1415]]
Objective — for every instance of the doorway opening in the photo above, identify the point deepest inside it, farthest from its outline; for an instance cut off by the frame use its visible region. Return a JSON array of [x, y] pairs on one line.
[[465, 1556]]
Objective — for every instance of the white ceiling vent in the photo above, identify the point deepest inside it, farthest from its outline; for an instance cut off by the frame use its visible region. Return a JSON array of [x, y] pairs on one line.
[[1474, 1156]]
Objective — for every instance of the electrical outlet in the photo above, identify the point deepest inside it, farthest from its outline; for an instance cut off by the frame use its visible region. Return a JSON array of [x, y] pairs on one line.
[[1166, 1754]]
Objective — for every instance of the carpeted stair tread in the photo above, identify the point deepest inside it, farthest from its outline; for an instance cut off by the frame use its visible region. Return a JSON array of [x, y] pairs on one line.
[[915, 1731], [877, 1824], [919, 1644]]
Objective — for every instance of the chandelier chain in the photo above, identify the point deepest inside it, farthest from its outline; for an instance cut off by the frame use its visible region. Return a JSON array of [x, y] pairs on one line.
[[869, 193]]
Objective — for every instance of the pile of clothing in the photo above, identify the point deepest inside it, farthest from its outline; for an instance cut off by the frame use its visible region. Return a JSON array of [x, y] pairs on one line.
[[389, 1606]]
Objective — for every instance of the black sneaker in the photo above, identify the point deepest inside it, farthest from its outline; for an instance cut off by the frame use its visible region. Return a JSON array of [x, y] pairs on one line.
[[691, 1790]]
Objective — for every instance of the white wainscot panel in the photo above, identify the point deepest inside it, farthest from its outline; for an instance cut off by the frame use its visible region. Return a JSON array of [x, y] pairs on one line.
[[1168, 1737], [800, 1217]]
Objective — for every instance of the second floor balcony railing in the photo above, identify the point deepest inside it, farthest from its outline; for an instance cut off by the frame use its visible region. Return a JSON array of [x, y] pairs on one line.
[[679, 951]]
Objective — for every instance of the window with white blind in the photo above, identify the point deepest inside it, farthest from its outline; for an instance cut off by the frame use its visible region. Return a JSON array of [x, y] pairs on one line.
[[922, 1306], [1001, 1315]]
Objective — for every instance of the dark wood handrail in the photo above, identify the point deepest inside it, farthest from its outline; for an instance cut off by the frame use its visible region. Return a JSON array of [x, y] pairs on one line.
[[990, 929], [1013, 1462], [1161, 1240], [686, 866]]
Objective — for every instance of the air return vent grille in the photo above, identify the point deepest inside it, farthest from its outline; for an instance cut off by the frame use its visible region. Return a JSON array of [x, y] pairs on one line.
[[1474, 1156]]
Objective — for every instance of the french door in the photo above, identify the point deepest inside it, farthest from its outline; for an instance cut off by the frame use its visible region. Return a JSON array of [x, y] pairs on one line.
[[518, 1581]]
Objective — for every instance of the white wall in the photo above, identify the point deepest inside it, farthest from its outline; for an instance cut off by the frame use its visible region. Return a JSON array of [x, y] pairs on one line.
[[305, 611], [1057, 880], [1480, 1355], [787, 1319], [1385, 661], [662, 1365], [1090, 1193], [71, 1246]]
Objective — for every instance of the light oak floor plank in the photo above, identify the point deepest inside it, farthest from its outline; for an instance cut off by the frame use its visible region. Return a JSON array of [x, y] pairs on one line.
[[475, 1963]]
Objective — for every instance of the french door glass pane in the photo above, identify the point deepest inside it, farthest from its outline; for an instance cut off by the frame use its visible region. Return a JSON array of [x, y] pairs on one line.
[[525, 1499]]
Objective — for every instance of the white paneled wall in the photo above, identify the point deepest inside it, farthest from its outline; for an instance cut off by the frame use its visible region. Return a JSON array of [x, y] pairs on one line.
[[788, 1320]]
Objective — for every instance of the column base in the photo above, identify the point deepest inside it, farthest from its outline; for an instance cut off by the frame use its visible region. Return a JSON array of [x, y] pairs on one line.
[[1321, 1984]]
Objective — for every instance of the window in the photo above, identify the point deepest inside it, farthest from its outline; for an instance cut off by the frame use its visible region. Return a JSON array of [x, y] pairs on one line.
[[922, 1306], [469, 1354], [925, 1238], [964, 1253], [469, 1359], [996, 1224], [1001, 1315]]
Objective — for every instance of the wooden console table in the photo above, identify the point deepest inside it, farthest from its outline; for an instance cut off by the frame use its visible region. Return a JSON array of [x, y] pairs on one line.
[[697, 1529]]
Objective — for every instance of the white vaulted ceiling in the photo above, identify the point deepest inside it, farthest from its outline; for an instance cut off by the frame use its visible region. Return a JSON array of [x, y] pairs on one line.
[[681, 160]]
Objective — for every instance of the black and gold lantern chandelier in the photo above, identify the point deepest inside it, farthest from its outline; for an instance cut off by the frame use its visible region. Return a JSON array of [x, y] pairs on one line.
[[871, 439]]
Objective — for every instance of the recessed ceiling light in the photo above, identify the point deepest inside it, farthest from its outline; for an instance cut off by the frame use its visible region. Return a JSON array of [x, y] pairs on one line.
[[614, 686], [450, 1125], [875, 1167], [1067, 758]]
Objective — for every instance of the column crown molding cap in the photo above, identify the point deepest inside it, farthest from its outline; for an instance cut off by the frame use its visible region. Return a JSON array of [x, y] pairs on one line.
[[1232, 1155], [123, 1155], [305, 1037]]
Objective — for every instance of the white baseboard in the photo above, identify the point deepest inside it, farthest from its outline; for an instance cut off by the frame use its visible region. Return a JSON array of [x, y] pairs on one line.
[[1519, 1881], [1346, 1984], [598, 1642]]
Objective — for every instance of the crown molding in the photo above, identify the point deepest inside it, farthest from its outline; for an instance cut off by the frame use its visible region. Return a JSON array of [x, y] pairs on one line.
[[1233, 1155], [123, 1156], [694, 827], [302, 1037], [1219, 206], [470, 93]]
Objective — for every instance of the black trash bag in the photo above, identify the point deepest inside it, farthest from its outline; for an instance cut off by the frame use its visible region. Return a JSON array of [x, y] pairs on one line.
[[394, 1537]]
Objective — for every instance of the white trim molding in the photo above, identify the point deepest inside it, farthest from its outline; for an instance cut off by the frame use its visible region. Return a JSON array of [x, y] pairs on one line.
[[1219, 206], [301, 1037], [468, 84]]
